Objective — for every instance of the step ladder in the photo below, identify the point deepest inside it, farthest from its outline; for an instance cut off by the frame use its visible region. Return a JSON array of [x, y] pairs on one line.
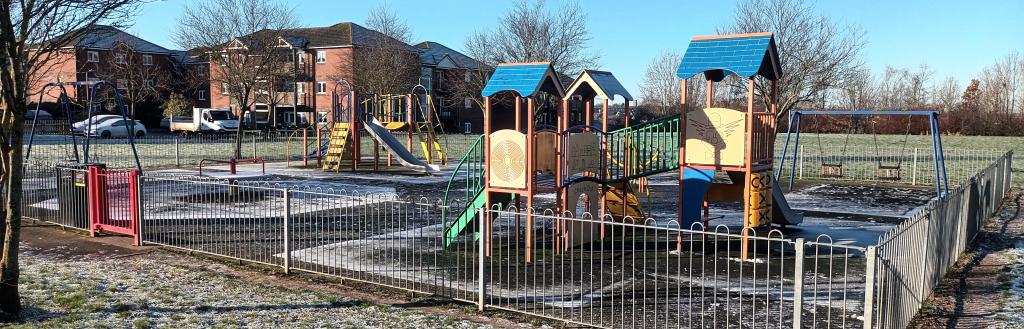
[[338, 148]]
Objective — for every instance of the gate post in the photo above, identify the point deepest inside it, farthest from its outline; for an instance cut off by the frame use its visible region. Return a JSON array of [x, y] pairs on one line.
[[134, 204], [798, 283], [96, 191], [869, 287]]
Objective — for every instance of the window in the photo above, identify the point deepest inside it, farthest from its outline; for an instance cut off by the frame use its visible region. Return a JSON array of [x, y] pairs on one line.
[[224, 88], [321, 117], [321, 87], [94, 56], [467, 127], [300, 57], [201, 95], [467, 77], [147, 60], [119, 58], [224, 59], [321, 56], [122, 84], [469, 102], [300, 87]]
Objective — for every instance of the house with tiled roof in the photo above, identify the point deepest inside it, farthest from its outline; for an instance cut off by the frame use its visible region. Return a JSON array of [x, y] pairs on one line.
[[96, 55], [322, 56], [441, 68]]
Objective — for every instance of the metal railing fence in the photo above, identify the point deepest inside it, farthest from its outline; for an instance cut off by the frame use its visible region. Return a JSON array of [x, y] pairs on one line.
[[912, 258]]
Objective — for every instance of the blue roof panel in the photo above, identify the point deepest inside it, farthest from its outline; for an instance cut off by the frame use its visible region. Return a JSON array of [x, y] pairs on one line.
[[524, 79], [745, 55]]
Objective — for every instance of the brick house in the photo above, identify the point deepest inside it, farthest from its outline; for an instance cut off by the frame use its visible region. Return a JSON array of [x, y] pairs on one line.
[[322, 55], [90, 57], [193, 71], [446, 73]]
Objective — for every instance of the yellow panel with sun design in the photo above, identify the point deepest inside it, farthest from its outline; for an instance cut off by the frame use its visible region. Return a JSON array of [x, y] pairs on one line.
[[507, 167]]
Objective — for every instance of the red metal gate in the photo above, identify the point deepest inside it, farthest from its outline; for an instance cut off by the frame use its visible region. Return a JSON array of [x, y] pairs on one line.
[[114, 201]]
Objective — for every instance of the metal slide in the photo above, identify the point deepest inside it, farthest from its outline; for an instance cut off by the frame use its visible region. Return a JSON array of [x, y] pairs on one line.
[[406, 158], [782, 214]]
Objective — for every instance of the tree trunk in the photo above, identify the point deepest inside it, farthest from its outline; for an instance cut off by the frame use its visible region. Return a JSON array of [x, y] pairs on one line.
[[238, 133], [10, 301]]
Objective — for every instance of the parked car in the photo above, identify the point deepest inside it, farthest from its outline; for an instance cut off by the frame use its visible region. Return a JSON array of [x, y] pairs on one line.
[[38, 115], [204, 120], [117, 128], [80, 126]]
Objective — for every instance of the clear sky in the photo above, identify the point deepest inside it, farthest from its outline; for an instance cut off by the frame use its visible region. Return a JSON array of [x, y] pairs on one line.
[[954, 38]]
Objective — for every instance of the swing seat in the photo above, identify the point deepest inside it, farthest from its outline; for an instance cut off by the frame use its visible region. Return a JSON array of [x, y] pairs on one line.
[[831, 170], [888, 172]]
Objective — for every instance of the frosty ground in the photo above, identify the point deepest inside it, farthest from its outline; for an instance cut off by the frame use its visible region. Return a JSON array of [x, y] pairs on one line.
[[69, 281]]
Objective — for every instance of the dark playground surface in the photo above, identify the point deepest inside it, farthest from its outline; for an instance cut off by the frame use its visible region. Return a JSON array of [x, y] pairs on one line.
[[853, 213]]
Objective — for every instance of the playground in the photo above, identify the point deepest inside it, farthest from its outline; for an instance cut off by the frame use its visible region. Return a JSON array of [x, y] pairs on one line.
[[711, 217]]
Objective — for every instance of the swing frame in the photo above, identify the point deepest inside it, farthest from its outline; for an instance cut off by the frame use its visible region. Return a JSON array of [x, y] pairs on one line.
[[939, 161]]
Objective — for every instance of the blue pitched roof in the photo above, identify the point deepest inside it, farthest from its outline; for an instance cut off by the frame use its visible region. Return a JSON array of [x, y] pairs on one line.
[[523, 78], [602, 83], [745, 55]]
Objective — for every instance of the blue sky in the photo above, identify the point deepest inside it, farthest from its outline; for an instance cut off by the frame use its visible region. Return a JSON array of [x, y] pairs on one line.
[[954, 38]]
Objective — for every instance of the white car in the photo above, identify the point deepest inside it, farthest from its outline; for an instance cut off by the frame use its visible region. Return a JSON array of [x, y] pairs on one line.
[[117, 128], [80, 126]]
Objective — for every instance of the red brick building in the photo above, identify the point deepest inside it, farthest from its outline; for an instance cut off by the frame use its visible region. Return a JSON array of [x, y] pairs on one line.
[[96, 55], [322, 56]]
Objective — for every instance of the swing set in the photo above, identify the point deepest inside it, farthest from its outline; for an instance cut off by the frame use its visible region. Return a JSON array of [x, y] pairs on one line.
[[891, 170]]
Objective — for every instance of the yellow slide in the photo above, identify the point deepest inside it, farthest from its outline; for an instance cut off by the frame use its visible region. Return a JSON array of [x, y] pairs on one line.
[[614, 205]]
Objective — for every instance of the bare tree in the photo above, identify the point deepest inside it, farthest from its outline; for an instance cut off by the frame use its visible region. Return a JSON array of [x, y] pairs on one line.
[[137, 79], [243, 39], [530, 33], [660, 88], [31, 33], [815, 52], [387, 64], [857, 91], [947, 94]]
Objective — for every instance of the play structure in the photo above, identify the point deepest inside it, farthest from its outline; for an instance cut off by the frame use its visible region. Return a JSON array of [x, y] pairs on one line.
[[721, 154], [379, 116], [888, 171]]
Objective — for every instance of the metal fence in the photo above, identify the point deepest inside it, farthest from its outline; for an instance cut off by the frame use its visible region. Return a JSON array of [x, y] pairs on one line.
[[912, 258], [580, 270], [160, 151], [861, 163]]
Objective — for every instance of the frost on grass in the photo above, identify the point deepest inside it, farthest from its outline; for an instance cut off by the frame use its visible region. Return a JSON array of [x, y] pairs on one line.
[[1012, 311], [164, 290]]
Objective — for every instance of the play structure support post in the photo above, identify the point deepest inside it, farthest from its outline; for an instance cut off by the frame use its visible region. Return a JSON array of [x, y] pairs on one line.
[[530, 162], [486, 231], [356, 149], [798, 282], [748, 149], [408, 125], [519, 113], [604, 186], [588, 112]]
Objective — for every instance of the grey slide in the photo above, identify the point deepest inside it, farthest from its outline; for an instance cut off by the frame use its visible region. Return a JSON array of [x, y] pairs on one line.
[[396, 147], [782, 214]]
